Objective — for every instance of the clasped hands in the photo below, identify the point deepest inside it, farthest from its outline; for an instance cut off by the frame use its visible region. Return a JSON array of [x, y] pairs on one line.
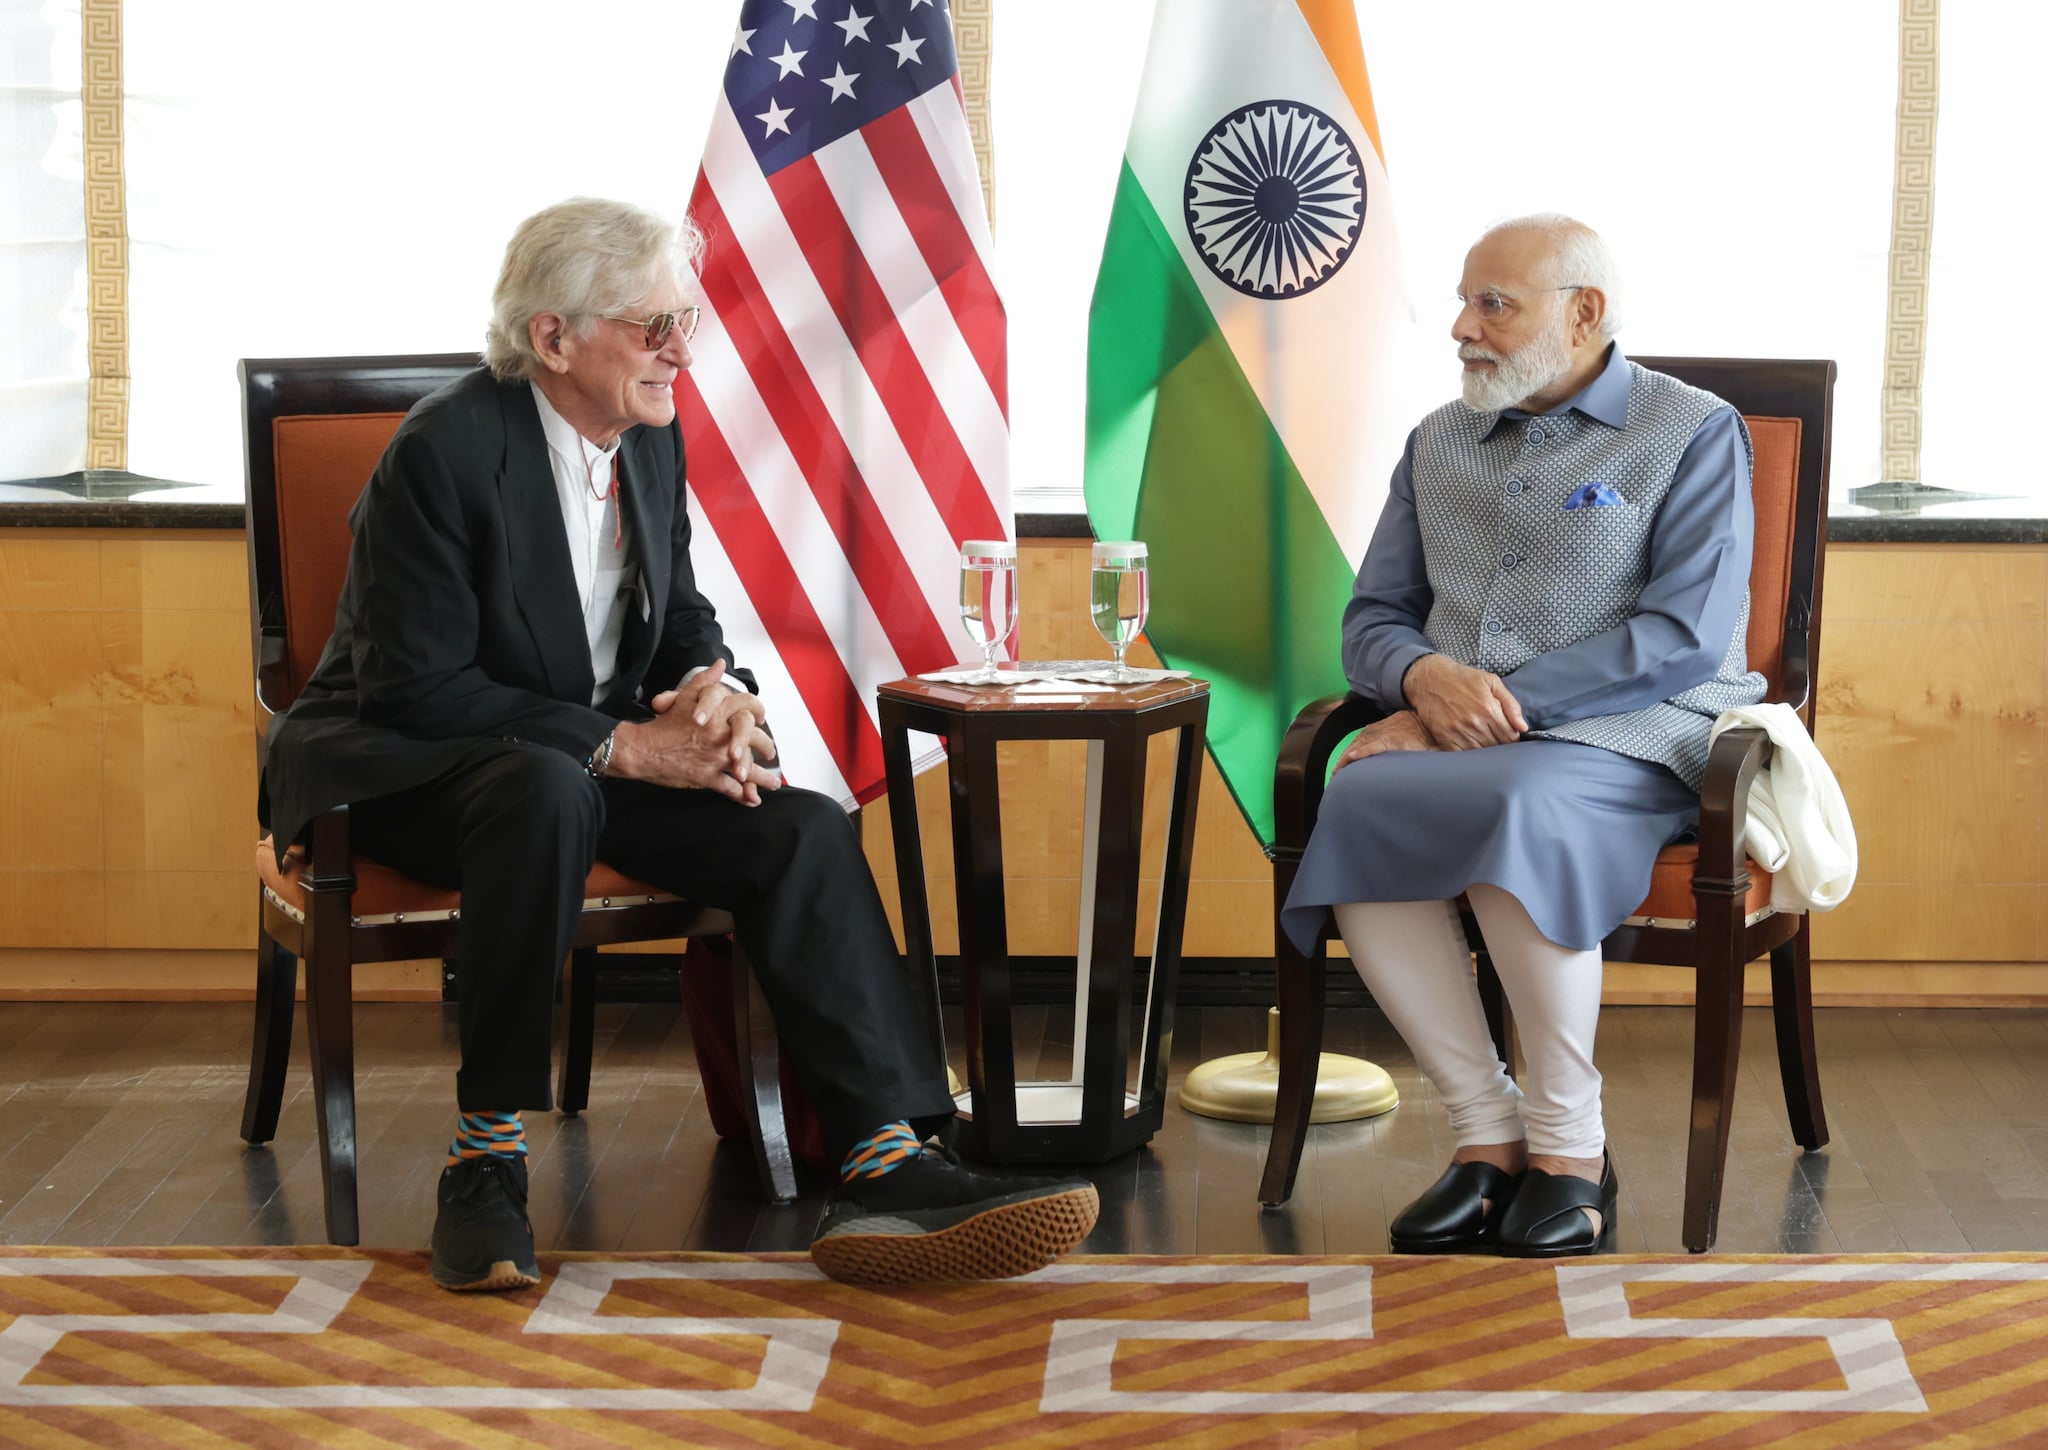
[[704, 735], [1451, 707]]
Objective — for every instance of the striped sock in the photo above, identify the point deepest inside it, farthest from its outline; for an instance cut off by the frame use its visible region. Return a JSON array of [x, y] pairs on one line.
[[501, 1133], [892, 1146]]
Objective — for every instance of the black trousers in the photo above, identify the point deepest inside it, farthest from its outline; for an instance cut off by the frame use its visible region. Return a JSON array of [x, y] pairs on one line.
[[516, 829]]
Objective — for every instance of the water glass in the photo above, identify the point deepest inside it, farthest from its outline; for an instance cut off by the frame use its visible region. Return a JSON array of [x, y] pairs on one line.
[[988, 597], [1118, 596]]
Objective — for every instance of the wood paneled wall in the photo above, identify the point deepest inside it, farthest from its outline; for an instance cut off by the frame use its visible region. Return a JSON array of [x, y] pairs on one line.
[[127, 778]]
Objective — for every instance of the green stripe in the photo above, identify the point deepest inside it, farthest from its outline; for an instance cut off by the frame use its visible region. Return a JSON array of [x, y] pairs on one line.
[[1248, 583]]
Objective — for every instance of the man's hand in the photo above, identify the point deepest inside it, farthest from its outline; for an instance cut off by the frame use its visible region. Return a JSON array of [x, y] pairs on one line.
[[1462, 708], [1399, 731], [703, 737]]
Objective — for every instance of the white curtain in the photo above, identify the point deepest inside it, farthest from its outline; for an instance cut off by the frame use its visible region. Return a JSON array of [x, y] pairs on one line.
[[42, 241], [1738, 159], [312, 181]]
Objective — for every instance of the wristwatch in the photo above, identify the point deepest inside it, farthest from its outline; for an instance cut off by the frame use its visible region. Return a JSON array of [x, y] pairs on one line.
[[601, 758]]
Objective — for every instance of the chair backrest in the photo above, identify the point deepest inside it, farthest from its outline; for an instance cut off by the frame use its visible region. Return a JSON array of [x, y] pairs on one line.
[[1789, 407], [312, 431]]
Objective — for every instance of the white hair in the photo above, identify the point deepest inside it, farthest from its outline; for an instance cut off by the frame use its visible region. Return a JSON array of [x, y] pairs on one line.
[[579, 259], [1579, 258]]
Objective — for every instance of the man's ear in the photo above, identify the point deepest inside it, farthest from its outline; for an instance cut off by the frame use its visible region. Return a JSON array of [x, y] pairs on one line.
[[1589, 310], [546, 330]]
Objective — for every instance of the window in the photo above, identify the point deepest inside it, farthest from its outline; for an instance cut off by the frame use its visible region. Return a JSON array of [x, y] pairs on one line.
[[42, 241], [1739, 161]]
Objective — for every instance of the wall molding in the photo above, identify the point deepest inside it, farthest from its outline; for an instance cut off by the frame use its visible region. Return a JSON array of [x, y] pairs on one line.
[[106, 238], [1912, 239], [974, 43]]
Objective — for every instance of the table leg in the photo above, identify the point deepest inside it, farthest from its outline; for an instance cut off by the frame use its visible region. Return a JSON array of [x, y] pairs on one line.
[[984, 937], [1162, 984], [1105, 1048], [1084, 944], [918, 958]]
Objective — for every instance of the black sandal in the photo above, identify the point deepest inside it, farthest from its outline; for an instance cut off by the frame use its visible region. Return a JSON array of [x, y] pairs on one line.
[[1451, 1216], [1545, 1222]]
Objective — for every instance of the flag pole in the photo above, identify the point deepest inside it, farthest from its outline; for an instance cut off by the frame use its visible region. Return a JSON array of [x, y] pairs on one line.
[[1244, 1087]]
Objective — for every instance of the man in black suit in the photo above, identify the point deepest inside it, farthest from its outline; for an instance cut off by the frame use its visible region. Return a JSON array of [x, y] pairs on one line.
[[524, 679]]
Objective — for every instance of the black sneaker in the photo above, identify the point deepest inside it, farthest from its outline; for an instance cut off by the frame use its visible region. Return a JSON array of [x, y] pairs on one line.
[[481, 1237], [932, 1219]]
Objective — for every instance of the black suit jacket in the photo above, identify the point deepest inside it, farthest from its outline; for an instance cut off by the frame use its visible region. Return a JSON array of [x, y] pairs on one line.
[[459, 619]]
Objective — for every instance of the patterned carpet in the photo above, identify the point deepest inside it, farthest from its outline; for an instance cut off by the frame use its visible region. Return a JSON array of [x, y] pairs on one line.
[[284, 1346]]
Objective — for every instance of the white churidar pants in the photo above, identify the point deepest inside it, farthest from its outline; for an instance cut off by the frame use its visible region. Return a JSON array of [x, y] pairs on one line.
[[1413, 958]]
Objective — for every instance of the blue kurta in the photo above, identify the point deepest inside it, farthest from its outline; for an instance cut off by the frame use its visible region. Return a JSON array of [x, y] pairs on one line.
[[1597, 559]]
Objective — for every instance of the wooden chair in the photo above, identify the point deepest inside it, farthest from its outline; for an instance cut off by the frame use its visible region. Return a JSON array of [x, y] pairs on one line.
[[313, 429], [1709, 906]]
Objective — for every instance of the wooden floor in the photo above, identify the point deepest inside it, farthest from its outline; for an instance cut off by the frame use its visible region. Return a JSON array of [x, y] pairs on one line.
[[118, 1125]]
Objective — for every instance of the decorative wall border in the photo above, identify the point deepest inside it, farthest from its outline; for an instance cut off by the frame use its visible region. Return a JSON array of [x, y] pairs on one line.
[[1912, 240], [106, 238], [973, 42]]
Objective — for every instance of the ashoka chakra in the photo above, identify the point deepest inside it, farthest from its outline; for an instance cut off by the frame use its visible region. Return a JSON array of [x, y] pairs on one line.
[[1275, 198]]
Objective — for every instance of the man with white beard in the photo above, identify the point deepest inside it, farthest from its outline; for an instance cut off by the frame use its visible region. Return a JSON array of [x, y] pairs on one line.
[[1552, 612]]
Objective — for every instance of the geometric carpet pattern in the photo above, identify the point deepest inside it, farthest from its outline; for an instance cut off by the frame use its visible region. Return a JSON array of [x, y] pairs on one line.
[[295, 1346]]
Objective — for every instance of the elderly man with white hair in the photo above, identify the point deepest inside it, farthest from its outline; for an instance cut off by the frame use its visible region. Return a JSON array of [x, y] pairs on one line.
[[1552, 612], [523, 679]]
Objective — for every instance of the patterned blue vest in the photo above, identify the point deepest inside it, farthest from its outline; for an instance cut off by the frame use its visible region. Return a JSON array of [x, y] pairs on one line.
[[1516, 574]]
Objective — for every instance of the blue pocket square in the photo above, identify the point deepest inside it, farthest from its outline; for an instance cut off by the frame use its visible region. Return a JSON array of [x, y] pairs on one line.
[[1594, 496]]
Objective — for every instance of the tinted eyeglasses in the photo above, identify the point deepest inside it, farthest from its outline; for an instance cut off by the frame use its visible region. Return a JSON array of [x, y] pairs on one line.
[[659, 326]]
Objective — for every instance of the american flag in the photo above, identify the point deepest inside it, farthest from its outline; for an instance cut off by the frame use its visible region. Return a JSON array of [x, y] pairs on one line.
[[847, 414]]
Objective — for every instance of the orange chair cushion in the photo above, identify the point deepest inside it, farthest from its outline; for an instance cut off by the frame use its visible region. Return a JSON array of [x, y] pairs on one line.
[[323, 464], [1774, 494], [380, 891], [1671, 897]]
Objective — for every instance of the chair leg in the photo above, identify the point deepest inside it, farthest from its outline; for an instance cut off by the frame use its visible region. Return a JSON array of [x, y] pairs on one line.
[[761, 1092], [330, 1041], [277, 982], [1792, 1015], [1716, 1051], [1300, 992], [579, 1031], [1493, 1000]]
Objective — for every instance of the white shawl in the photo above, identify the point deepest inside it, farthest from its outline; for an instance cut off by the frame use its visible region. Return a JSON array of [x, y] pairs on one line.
[[1799, 826]]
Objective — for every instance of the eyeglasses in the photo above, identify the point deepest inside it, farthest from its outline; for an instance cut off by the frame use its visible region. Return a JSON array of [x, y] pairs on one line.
[[660, 325], [1494, 304]]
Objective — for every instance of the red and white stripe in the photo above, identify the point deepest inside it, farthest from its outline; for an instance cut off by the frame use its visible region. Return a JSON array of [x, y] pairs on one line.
[[846, 420]]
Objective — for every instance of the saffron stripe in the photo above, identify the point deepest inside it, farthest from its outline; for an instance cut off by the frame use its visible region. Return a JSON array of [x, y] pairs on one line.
[[757, 556], [942, 240], [863, 311], [790, 394]]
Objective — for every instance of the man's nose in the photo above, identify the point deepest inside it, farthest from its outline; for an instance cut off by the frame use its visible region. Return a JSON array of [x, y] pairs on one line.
[[675, 351], [1465, 326]]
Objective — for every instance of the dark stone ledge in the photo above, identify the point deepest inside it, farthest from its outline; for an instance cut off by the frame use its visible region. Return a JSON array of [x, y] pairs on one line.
[[41, 506]]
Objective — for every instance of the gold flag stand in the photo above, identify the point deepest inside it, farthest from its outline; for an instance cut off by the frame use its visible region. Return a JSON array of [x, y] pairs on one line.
[[1243, 1087]]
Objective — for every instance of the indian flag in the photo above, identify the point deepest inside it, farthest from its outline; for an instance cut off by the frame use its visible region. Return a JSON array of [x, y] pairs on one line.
[[1246, 388]]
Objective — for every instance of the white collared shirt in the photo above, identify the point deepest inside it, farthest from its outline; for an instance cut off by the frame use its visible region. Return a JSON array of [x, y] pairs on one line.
[[606, 578]]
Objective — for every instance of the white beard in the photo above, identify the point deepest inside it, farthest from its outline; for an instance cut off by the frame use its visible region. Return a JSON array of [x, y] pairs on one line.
[[1518, 375]]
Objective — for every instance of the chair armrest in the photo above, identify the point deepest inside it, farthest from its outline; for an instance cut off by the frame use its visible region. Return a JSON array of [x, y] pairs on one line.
[[1303, 769], [273, 670], [1732, 763], [329, 864]]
